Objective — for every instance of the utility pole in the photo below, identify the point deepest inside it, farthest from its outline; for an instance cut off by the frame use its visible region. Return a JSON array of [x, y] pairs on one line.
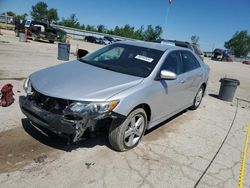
[[213, 47], [6, 20], [167, 21]]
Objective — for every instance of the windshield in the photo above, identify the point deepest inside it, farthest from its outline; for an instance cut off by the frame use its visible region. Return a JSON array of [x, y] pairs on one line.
[[27, 23], [126, 59]]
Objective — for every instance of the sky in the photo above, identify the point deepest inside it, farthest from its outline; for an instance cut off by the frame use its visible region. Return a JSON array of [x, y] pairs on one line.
[[214, 21]]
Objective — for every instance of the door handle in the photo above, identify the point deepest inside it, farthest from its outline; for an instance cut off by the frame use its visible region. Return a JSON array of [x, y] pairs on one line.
[[182, 81]]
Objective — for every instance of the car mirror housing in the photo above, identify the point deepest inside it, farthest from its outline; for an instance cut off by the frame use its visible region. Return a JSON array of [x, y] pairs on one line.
[[81, 53], [167, 75]]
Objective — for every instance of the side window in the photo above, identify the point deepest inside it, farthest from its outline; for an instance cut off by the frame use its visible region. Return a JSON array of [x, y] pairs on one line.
[[173, 63], [189, 61]]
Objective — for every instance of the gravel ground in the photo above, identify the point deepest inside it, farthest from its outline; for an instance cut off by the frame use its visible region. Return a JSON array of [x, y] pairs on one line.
[[174, 154]]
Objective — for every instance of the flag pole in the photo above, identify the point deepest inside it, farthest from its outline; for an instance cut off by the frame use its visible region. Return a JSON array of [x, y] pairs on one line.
[[168, 9]]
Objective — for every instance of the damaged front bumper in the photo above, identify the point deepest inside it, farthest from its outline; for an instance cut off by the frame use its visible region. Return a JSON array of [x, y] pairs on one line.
[[58, 123]]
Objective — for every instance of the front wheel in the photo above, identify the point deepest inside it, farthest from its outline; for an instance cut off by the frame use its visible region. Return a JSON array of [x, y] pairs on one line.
[[128, 134], [198, 99]]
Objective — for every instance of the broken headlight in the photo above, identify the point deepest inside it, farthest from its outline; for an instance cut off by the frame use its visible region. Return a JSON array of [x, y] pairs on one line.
[[27, 86], [93, 110]]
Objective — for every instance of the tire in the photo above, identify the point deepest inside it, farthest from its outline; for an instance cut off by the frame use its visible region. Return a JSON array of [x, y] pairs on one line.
[[34, 37], [198, 98], [117, 137], [16, 33]]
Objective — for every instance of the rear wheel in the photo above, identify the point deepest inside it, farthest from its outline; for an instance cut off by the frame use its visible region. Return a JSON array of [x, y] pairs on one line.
[[16, 33], [198, 99], [34, 37], [127, 135]]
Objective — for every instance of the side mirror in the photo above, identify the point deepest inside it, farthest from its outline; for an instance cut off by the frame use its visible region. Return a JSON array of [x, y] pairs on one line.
[[167, 75], [81, 53]]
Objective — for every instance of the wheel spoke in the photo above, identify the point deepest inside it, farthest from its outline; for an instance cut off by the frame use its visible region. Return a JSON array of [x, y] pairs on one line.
[[131, 139], [138, 132], [134, 130], [133, 122], [198, 98], [128, 133], [139, 122]]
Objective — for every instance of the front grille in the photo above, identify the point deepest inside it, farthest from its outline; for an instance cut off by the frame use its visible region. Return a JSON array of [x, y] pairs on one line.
[[50, 104]]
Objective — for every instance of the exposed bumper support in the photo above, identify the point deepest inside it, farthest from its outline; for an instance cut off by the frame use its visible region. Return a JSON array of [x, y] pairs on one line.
[[58, 123]]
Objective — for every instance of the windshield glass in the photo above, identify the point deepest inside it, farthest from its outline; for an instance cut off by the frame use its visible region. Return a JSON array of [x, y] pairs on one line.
[[126, 59]]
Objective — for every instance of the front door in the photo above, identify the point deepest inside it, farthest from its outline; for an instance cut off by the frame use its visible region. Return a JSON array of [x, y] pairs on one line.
[[170, 95]]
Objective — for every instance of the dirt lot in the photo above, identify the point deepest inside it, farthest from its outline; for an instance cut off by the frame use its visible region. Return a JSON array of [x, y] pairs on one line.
[[174, 154]]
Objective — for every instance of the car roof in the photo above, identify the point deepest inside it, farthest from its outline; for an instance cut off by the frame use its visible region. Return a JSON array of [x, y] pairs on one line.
[[152, 45]]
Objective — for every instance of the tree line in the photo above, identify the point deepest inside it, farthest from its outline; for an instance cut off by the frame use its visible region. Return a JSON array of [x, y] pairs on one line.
[[239, 43], [41, 12], [148, 34]]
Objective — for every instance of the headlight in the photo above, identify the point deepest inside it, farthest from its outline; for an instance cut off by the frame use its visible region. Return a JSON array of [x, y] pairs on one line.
[[90, 110], [27, 86]]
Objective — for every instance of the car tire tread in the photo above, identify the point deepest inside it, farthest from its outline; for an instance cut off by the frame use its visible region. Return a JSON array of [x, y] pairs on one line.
[[194, 107], [116, 131]]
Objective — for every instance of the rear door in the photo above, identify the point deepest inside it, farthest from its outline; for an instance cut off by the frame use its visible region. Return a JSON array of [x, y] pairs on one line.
[[192, 74]]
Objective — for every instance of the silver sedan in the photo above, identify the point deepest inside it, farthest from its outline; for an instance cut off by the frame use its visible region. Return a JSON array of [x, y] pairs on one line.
[[128, 86]]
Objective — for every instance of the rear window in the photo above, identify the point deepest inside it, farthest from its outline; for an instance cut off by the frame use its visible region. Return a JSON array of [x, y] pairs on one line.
[[189, 61]]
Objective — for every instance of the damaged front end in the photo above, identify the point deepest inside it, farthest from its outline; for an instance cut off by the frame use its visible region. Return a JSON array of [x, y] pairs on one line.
[[65, 117], [86, 114]]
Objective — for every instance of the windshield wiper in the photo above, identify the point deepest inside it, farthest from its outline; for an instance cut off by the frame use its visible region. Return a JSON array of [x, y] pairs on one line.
[[82, 60], [103, 67]]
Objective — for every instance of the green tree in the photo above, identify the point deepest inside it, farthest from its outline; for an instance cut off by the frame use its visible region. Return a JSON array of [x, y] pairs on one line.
[[10, 13], [52, 15], [19, 18], [39, 12], [101, 29], [151, 33], [90, 28], [83, 26], [239, 44], [195, 39], [72, 21], [139, 33]]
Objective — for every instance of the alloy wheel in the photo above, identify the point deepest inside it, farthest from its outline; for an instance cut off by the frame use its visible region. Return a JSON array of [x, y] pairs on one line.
[[134, 130], [198, 97]]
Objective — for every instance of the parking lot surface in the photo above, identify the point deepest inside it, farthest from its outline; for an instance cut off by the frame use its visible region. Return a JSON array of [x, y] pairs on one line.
[[174, 154]]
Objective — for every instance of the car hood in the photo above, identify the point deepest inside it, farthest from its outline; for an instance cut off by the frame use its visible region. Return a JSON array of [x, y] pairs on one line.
[[80, 81]]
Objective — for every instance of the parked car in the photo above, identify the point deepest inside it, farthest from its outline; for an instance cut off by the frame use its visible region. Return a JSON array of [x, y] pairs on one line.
[[194, 47], [247, 62], [110, 39], [37, 30], [91, 39], [118, 40], [222, 55], [129, 86], [217, 54], [102, 41], [105, 41], [208, 54]]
